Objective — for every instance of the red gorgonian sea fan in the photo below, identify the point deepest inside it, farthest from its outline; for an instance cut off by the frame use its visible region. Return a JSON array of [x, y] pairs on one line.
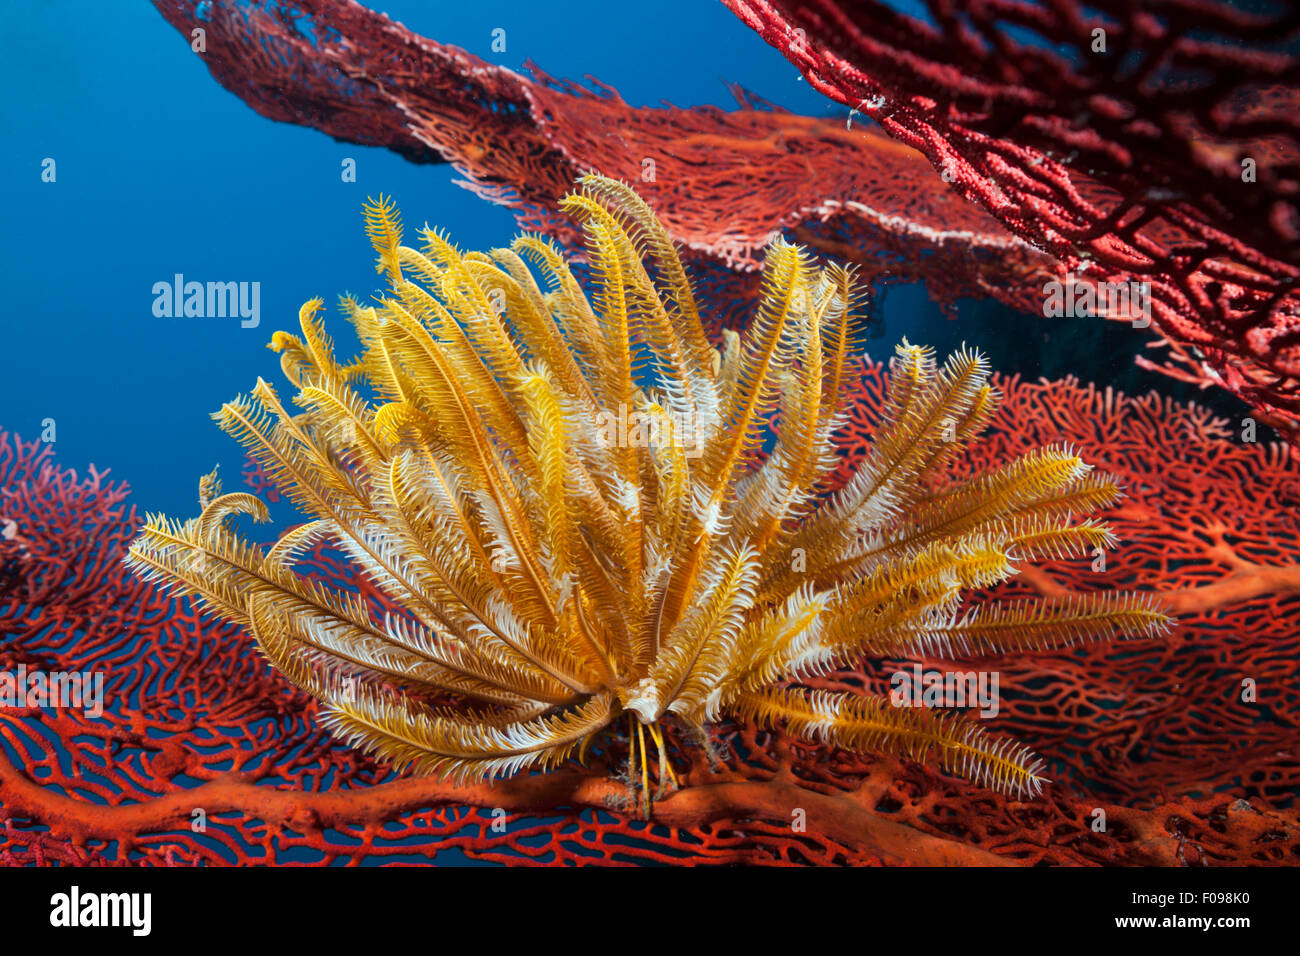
[[1116, 167], [1186, 772], [1133, 140], [721, 182]]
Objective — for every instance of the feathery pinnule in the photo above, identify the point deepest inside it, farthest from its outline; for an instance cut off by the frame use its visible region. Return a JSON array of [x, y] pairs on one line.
[[567, 504]]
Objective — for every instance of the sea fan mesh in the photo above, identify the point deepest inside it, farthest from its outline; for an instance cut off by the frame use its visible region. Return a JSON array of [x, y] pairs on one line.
[[1154, 734]]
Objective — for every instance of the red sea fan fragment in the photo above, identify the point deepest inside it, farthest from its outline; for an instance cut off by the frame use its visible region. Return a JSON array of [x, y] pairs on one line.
[[1164, 149], [59, 534], [255, 477], [722, 182], [1167, 714], [1224, 300]]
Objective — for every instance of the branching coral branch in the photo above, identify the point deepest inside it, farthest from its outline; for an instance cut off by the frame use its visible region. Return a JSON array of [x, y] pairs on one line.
[[1134, 141], [838, 818], [1169, 836], [722, 182]]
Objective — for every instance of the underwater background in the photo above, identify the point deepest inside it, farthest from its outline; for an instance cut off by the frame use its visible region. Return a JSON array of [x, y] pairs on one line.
[[159, 171]]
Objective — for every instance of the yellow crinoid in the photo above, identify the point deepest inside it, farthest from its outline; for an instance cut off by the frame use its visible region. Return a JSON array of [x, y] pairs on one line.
[[582, 514]]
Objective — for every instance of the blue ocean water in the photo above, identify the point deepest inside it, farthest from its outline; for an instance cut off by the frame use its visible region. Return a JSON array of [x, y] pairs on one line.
[[159, 171]]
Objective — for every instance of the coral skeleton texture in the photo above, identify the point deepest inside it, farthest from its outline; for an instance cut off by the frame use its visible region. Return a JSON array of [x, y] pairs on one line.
[[194, 718], [1133, 140], [571, 502]]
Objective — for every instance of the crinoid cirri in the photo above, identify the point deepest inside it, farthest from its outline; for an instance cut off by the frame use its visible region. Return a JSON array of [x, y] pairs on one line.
[[580, 511]]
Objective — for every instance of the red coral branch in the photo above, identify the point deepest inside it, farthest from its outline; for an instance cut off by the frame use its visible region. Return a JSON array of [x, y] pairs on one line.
[[722, 182], [1124, 157]]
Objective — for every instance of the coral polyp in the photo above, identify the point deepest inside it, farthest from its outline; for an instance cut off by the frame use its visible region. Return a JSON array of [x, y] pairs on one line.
[[587, 515]]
